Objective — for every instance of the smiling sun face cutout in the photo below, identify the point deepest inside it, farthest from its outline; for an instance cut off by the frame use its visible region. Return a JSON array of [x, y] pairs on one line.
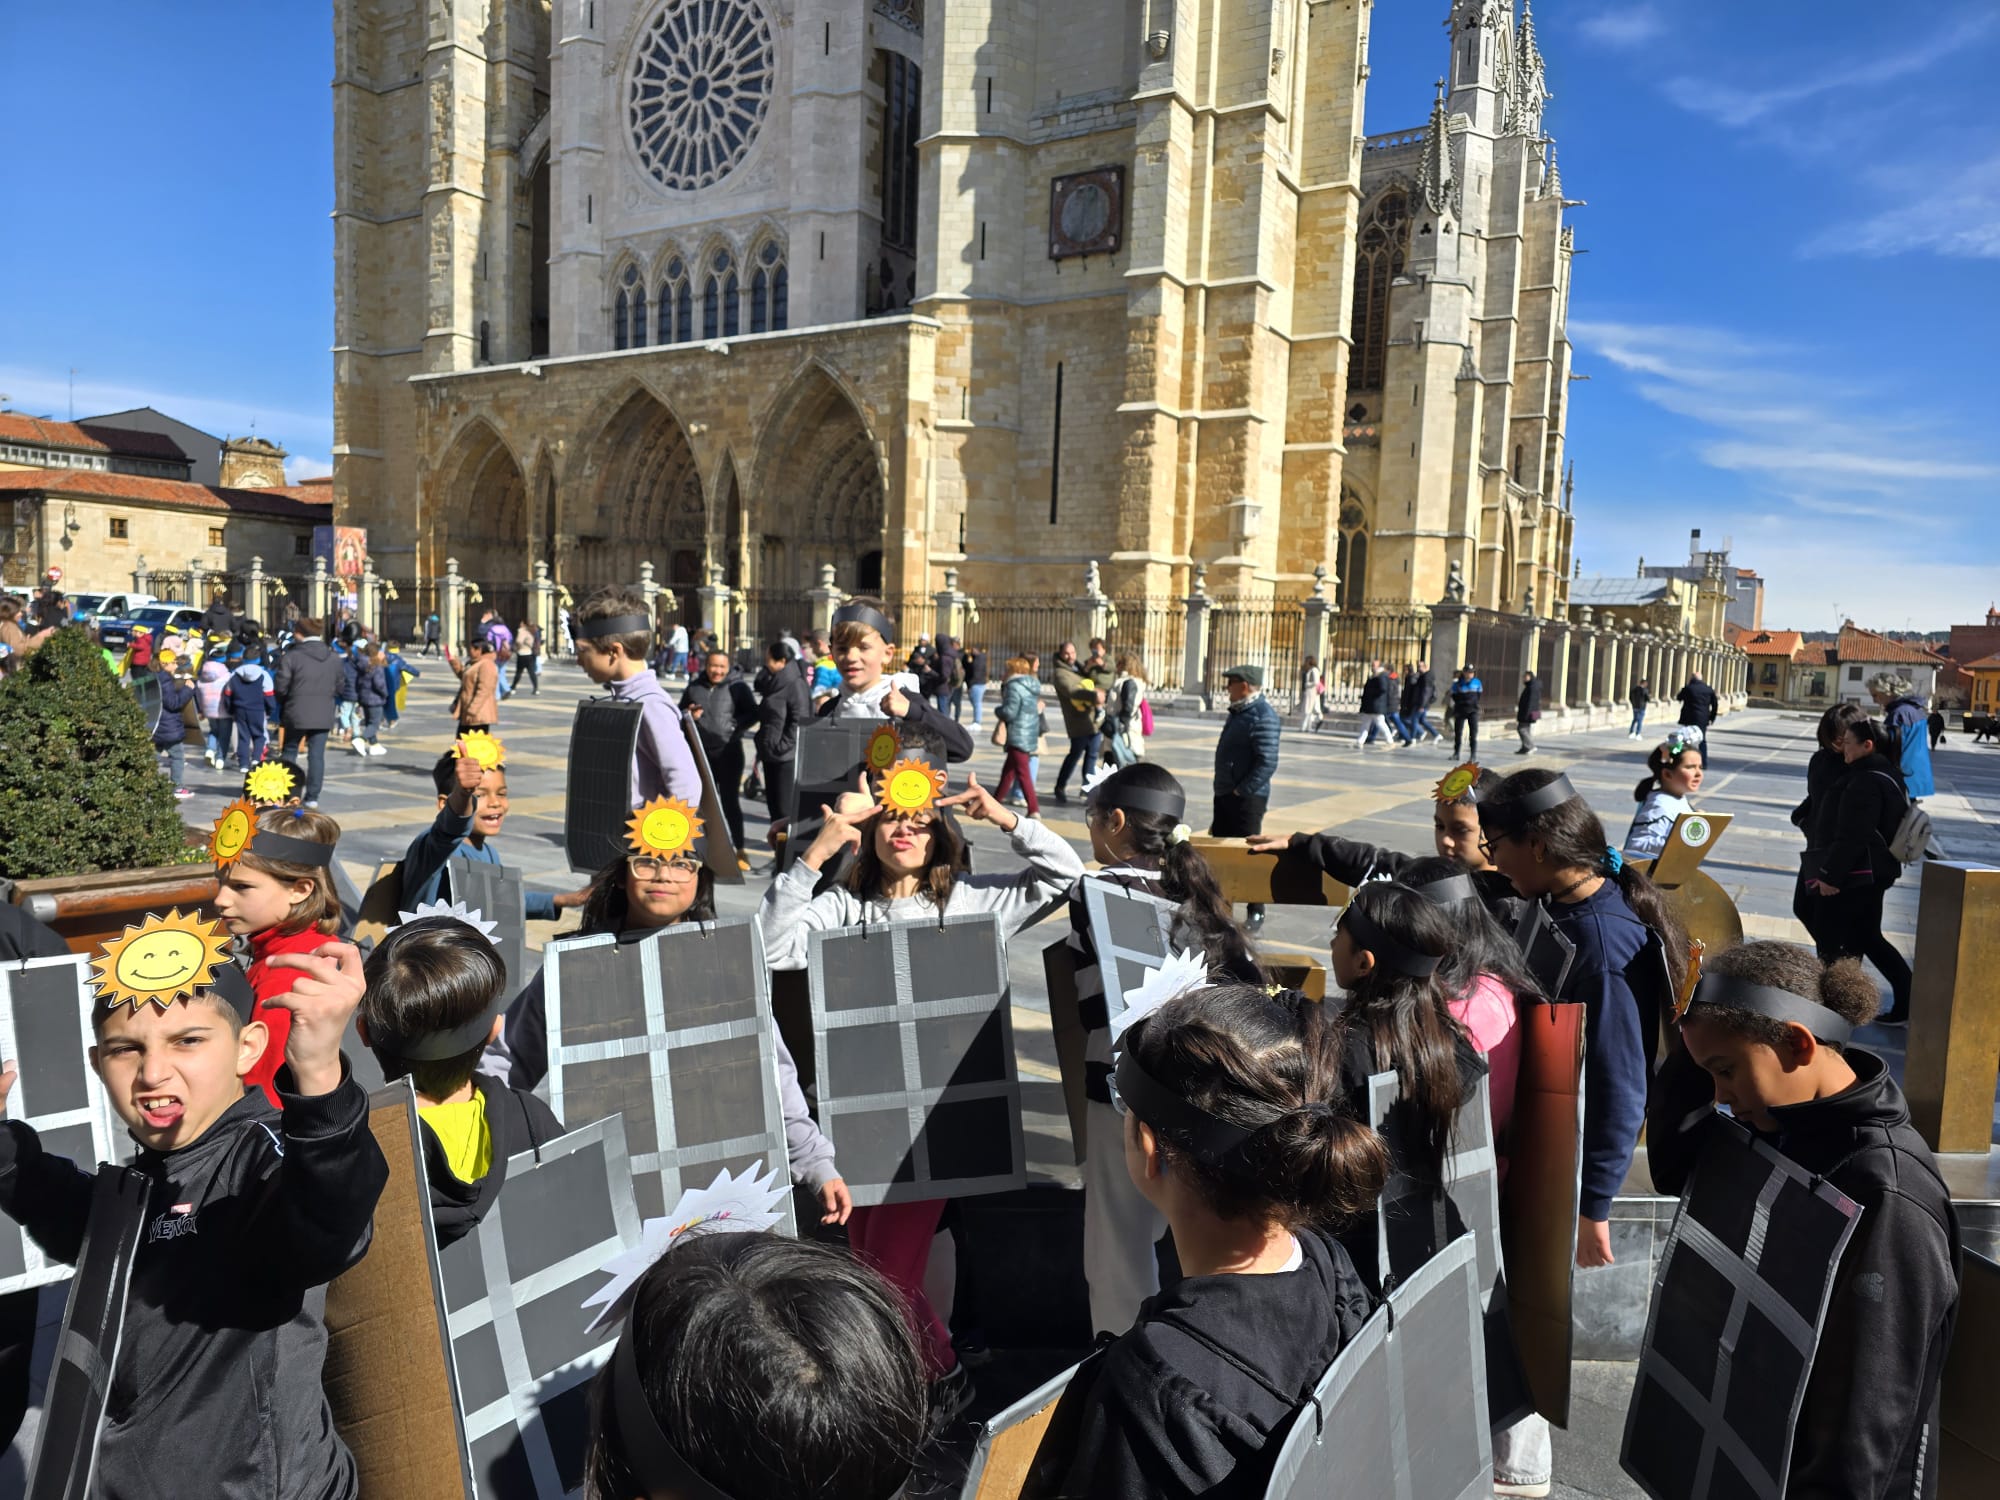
[[272, 783], [883, 748], [233, 832], [1457, 782], [909, 787], [664, 828], [480, 746], [163, 959]]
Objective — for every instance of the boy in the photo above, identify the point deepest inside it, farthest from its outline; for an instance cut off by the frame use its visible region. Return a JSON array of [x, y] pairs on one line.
[[253, 1211], [864, 644], [436, 987], [613, 631], [478, 685], [472, 804], [1766, 1034]]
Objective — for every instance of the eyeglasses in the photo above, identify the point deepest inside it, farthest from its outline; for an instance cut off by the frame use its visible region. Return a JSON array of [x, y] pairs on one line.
[[646, 867]]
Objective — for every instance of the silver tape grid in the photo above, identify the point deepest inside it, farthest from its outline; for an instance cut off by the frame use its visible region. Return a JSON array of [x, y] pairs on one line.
[[1466, 1163]]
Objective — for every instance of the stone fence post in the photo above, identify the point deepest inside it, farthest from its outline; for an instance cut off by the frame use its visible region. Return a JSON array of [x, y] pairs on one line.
[[715, 596], [828, 597], [451, 605], [542, 607], [1194, 659]]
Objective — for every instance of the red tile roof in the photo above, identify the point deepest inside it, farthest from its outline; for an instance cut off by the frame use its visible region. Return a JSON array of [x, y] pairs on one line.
[[176, 492], [1861, 645], [1988, 664], [1768, 642], [87, 437]]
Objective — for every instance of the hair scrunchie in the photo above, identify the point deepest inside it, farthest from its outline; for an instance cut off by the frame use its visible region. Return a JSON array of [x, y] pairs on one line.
[[1612, 862], [1181, 834]]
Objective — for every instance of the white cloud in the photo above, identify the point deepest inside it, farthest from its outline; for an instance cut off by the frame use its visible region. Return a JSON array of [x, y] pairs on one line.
[[47, 392], [300, 467], [1946, 209], [1624, 26]]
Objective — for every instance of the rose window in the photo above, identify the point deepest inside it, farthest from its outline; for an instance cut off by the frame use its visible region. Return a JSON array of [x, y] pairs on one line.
[[701, 82]]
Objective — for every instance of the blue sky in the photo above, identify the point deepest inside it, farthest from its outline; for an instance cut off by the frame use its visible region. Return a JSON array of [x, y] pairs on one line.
[[1787, 311]]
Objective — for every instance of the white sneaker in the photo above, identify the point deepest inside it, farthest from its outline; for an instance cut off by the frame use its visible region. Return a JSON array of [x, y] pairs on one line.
[[181, 794], [360, 747], [378, 748]]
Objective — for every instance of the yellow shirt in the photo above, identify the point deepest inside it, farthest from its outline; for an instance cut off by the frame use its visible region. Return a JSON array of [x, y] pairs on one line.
[[463, 1132]]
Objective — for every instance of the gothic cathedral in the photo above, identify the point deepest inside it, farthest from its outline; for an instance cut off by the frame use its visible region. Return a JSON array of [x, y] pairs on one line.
[[748, 287]]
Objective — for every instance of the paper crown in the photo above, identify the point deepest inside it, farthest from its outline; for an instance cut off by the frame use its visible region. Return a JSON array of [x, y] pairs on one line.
[[743, 1204], [272, 783], [664, 828], [909, 787], [477, 744], [1457, 782], [457, 911], [233, 831], [1097, 779], [162, 959], [1181, 974]]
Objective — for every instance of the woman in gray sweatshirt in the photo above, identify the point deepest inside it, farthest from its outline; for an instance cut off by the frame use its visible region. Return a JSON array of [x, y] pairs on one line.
[[909, 868]]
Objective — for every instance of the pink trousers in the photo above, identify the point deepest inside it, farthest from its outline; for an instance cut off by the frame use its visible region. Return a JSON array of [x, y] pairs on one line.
[[895, 1238]]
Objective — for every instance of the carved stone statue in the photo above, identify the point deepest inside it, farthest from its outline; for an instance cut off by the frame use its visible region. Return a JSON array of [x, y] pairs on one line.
[[1454, 584]]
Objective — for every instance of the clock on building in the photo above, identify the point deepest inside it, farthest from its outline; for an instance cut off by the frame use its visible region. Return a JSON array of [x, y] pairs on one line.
[[1086, 212]]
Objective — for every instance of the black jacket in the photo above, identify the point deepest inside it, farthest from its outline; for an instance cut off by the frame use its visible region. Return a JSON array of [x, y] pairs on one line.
[[219, 619], [1423, 693], [1354, 863], [1814, 816], [785, 703], [1378, 694], [308, 680], [1191, 1400], [728, 711], [1698, 703], [1529, 707], [1869, 1425], [1640, 695], [1466, 696], [218, 1375], [923, 721], [1866, 804], [520, 1121]]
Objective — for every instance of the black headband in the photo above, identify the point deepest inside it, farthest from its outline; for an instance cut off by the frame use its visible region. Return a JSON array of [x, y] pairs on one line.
[[1727, 992], [1168, 803], [1449, 891], [288, 850], [1515, 812], [233, 985], [1195, 1131], [1390, 952], [653, 1459], [594, 630], [862, 614]]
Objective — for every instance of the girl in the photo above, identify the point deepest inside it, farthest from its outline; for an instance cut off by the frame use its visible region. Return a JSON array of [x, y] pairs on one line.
[[907, 868], [371, 692], [1121, 714], [1630, 955], [1310, 708], [1136, 834], [1020, 713], [635, 897], [278, 894], [1673, 777], [1454, 834], [1766, 1035], [528, 656], [1814, 817], [864, 646], [1236, 1132], [208, 685], [1856, 870], [757, 1366], [976, 670]]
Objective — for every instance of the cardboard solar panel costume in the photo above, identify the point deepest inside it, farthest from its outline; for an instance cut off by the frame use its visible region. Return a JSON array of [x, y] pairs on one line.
[[834, 757], [1740, 1299], [496, 892], [673, 1031]]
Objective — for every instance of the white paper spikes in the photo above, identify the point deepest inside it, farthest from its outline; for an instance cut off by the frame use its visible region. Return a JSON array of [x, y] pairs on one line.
[[1097, 779], [1181, 974], [458, 911], [743, 1204]]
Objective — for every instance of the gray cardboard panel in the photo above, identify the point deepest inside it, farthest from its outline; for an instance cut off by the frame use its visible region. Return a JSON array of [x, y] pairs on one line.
[[1133, 932], [943, 966], [496, 893], [45, 1031], [717, 852], [858, 975], [829, 762], [598, 801]]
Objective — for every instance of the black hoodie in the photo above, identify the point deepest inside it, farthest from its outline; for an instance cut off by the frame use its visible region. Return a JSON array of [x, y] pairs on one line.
[[1869, 1426], [1864, 808], [1195, 1399], [1356, 863], [519, 1121], [218, 1389]]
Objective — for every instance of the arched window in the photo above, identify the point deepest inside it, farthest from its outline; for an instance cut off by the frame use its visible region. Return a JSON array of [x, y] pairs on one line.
[[628, 314], [676, 305], [1378, 260], [1351, 556], [720, 312], [769, 291], [640, 327]]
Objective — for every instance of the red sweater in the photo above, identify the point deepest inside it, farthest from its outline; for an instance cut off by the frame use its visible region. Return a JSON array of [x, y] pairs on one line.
[[265, 982]]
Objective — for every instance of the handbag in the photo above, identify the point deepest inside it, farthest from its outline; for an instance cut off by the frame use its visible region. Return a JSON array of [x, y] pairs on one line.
[[1000, 733]]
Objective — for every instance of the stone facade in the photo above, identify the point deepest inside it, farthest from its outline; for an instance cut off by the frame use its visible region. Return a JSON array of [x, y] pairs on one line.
[[1004, 288]]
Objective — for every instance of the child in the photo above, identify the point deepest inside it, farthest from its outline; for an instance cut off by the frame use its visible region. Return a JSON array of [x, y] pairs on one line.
[[613, 631], [251, 700], [170, 730], [911, 867], [208, 685], [472, 805], [757, 1365], [1235, 1129], [1543, 836], [371, 692], [635, 897], [252, 1212], [1673, 776], [278, 893], [1766, 1036], [435, 989], [1454, 834], [864, 645], [399, 673], [1136, 834]]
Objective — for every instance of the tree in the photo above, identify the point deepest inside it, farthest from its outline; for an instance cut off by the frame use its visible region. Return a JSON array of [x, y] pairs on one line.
[[80, 787]]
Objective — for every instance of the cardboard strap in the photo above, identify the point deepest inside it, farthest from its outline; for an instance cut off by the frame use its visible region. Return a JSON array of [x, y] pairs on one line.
[[1507, 816], [1449, 891], [1168, 804], [1390, 952], [1727, 992], [1193, 1130]]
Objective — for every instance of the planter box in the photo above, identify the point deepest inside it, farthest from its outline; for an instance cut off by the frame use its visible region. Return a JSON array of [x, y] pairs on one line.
[[87, 909]]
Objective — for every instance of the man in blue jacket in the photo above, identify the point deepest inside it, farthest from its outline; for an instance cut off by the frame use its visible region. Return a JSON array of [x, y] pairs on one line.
[[1246, 758]]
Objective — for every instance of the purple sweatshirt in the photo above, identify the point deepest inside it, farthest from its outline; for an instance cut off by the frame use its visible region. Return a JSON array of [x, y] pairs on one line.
[[662, 763]]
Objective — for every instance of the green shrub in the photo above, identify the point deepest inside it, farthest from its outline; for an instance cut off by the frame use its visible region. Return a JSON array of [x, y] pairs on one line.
[[80, 788]]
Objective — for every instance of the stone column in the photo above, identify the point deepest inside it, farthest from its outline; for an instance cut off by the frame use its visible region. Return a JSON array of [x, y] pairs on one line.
[[451, 605], [1315, 633], [142, 577], [257, 592], [1586, 679], [368, 599], [1194, 658], [649, 591], [542, 607], [197, 583], [1090, 611], [825, 599], [715, 596], [319, 591], [1559, 703], [955, 609]]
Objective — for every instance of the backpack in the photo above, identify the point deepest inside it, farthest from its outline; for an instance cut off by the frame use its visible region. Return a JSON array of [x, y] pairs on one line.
[[1913, 832], [1145, 715]]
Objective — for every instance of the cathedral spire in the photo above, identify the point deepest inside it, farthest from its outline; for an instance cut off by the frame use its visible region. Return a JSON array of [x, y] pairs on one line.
[[1528, 85], [1552, 182], [1435, 180]]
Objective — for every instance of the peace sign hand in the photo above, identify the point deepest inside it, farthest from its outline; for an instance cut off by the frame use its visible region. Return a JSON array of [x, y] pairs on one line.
[[981, 805], [840, 832]]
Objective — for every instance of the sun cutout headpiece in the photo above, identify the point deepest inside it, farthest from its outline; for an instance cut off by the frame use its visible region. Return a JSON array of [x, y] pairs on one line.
[[664, 828], [233, 832], [477, 744], [908, 788], [884, 745], [1457, 782], [1696, 949], [163, 959], [272, 783]]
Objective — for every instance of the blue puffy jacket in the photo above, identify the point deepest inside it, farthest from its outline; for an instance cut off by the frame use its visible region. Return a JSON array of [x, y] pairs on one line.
[[1911, 721], [1246, 757]]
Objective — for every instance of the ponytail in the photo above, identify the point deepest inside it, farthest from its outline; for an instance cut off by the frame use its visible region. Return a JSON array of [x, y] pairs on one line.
[[1649, 905], [1188, 881]]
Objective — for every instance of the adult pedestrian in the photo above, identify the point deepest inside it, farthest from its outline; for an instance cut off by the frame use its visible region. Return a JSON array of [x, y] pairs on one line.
[[1528, 712], [677, 650], [1466, 692], [1641, 696], [1698, 709], [17, 640], [1906, 716], [219, 618], [724, 710], [1018, 731], [308, 681], [1080, 699], [1857, 869], [1424, 696], [528, 657], [977, 666], [1405, 717], [477, 705], [951, 673], [1814, 817], [431, 628], [1311, 702], [1121, 712], [784, 703], [1378, 697], [1246, 758], [567, 641], [1937, 727], [501, 635]]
